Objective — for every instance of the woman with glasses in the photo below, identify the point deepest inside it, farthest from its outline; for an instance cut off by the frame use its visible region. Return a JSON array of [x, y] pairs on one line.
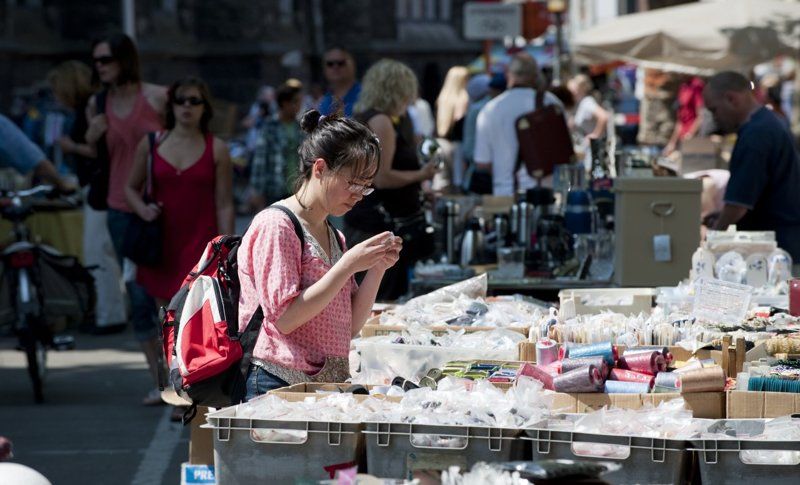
[[119, 116], [191, 184], [388, 88], [311, 304]]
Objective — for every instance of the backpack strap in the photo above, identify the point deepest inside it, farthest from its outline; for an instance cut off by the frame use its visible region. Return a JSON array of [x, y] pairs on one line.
[[336, 237], [539, 101], [247, 339]]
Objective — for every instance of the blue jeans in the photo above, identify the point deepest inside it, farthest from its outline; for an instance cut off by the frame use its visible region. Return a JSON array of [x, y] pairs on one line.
[[144, 315], [261, 382]]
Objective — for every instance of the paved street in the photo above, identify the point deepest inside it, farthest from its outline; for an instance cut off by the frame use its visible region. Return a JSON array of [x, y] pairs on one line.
[[92, 429]]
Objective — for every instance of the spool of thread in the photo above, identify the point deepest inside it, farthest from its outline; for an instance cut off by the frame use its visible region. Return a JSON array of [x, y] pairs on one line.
[[664, 351], [603, 349], [647, 363], [667, 382], [773, 384], [541, 374], [708, 379], [632, 376], [572, 364], [546, 351], [620, 387], [585, 379]]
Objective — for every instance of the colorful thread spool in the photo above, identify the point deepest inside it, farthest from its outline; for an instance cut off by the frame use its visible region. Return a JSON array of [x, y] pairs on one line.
[[546, 351], [664, 351], [709, 379], [667, 382], [585, 379], [541, 374], [773, 384], [604, 349], [625, 375], [647, 363], [621, 387], [572, 364]]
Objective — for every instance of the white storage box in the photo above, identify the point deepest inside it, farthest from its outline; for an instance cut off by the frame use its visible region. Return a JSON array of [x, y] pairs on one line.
[[628, 301], [413, 361]]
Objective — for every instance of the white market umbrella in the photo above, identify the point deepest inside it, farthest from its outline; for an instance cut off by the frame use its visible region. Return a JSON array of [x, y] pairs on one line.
[[698, 38]]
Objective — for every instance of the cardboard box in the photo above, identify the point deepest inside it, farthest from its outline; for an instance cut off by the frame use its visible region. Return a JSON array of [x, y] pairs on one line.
[[201, 443], [702, 404], [758, 404]]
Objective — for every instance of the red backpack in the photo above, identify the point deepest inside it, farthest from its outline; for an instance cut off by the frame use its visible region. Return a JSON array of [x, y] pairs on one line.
[[207, 357]]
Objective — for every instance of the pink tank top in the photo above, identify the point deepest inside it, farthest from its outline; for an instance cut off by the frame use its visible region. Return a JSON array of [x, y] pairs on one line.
[[122, 137]]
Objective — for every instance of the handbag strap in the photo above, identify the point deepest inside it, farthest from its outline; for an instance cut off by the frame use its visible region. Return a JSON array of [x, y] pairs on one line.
[[148, 188]]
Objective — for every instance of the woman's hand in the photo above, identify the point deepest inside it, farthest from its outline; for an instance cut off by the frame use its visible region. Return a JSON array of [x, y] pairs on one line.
[[429, 170], [150, 212], [371, 252], [98, 125], [389, 259]]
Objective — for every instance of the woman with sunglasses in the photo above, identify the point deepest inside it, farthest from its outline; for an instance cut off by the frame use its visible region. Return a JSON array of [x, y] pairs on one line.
[[191, 182], [311, 304], [132, 108]]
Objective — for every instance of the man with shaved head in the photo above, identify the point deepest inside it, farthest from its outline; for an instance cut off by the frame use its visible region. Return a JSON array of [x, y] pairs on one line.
[[763, 192]]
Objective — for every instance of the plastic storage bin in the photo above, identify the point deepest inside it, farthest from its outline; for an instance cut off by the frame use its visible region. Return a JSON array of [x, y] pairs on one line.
[[248, 451], [727, 460], [413, 361], [628, 301], [396, 450], [643, 460], [645, 208]]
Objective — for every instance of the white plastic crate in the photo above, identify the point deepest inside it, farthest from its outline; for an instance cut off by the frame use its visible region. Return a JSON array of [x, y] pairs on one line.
[[396, 450], [591, 301], [248, 451]]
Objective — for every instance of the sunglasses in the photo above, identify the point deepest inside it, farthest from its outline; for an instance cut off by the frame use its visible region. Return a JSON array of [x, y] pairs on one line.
[[336, 63], [192, 100], [355, 188], [104, 60]]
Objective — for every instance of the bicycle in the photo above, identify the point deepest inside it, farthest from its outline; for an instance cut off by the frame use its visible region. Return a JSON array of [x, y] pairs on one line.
[[23, 279]]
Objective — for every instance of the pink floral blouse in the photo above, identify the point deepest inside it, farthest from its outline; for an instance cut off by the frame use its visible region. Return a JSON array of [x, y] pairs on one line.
[[272, 274]]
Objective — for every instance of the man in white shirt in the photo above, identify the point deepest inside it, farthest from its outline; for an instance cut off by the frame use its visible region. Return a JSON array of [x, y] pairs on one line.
[[496, 143]]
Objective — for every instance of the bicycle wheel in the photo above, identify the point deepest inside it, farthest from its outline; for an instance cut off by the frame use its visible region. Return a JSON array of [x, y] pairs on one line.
[[35, 339]]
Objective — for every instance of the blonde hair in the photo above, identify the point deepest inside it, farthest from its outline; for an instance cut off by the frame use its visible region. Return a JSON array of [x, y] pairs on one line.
[[72, 82], [451, 105], [388, 86]]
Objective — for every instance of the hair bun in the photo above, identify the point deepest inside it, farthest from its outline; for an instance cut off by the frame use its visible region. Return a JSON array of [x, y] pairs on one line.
[[311, 120]]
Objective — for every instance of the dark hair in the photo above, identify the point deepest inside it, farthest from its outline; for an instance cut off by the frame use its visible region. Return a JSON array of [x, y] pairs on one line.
[[341, 142], [124, 51], [728, 81], [285, 93], [187, 82]]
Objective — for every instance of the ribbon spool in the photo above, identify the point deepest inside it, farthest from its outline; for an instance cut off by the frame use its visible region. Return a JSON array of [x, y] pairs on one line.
[[604, 349], [546, 351], [631, 376], [664, 351], [542, 374], [710, 379], [667, 382], [647, 363], [585, 379], [620, 387], [572, 364], [773, 384]]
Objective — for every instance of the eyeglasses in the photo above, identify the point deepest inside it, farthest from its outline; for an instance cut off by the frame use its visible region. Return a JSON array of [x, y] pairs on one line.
[[104, 60], [362, 189], [336, 63], [192, 100]]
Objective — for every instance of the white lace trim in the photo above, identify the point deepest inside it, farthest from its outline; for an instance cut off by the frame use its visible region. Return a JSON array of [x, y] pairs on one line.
[[316, 247]]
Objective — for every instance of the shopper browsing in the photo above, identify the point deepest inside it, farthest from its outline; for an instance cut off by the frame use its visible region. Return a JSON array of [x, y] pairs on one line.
[[306, 290], [762, 191]]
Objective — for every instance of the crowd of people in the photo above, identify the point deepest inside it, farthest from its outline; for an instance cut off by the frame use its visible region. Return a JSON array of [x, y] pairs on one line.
[[345, 164]]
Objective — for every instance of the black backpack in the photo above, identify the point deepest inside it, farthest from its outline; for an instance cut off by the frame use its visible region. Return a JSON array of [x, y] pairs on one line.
[[99, 170]]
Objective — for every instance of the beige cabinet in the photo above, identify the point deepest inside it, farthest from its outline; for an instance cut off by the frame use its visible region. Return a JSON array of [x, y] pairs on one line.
[[657, 224]]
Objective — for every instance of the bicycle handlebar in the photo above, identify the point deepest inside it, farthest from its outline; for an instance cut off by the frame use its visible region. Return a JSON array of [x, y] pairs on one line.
[[39, 189], [55, 200]]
